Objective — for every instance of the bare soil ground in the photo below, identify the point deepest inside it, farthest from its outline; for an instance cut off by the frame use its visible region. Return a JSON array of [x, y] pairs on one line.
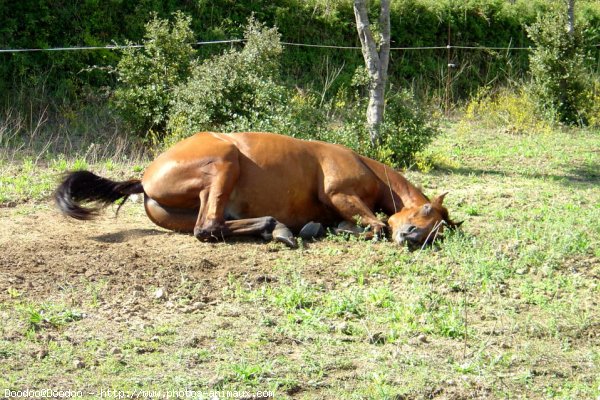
[[44, 253]]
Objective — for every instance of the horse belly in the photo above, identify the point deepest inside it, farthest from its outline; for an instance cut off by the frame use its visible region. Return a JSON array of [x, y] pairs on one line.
[[289, 205]]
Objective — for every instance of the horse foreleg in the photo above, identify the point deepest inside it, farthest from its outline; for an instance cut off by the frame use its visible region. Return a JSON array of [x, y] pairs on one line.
[[354, 210]]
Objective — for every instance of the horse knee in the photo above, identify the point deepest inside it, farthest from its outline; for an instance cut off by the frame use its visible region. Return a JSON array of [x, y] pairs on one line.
[[269, 224]]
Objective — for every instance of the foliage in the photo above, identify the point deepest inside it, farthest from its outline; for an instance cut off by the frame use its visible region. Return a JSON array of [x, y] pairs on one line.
[[515, 110], [558, 68], [406, 130], [231, 89], [593, 113], [413, 22], [241, 90], [148, 75]]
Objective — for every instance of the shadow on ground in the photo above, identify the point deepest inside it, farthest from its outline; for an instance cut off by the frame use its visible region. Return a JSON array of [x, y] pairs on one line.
[[582, 175], [124, 236]]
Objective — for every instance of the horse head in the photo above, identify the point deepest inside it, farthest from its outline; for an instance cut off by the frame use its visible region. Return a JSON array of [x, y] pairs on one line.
[[422, 224]]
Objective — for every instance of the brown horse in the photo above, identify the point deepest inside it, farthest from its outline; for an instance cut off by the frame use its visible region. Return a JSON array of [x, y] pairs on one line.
[[218, 185]]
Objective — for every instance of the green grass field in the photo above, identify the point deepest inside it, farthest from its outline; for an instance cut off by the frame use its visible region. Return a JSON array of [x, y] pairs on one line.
[[506, 308]]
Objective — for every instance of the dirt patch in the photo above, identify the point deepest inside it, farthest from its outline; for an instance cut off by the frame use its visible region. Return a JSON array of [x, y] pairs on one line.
[[42, 253]]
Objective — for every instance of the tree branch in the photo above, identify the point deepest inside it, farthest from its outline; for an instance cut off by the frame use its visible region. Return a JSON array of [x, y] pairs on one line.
[[384, 50], [369, 48]]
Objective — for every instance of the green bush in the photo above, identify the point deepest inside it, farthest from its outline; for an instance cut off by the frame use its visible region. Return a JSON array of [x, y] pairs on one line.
[[593, 113], [406, 130], [238, 85], [30, 24], [558, 68], [147, 76], [241, 91]]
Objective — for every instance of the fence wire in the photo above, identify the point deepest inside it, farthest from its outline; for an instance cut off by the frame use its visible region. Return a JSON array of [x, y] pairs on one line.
[[322, 46]]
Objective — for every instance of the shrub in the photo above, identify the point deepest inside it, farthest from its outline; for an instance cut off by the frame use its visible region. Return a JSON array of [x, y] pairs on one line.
[[147, 76], [558, 68], [593, 113], [406, 130], [241, 90], [237, 85], [515, 110]]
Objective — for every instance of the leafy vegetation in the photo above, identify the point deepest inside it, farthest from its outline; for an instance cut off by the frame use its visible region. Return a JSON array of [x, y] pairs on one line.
[[558, 68], [407, 128], [147, 76], [513, 110], [235, 90], [413, 23]]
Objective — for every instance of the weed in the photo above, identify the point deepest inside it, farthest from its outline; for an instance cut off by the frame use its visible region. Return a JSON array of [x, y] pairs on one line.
[[40, 316], [247, 373]]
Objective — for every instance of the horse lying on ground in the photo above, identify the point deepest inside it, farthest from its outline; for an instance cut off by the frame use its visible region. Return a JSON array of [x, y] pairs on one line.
[[220, 185]]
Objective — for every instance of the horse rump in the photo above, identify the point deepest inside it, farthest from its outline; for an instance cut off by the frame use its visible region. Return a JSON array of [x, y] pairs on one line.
[[84, 186]]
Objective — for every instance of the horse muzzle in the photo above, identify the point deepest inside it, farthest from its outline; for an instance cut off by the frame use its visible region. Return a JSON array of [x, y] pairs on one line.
[[407, 234]]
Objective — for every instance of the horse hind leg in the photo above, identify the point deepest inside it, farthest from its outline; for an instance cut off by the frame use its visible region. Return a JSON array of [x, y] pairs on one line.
[[174, 219], [184, 220], [266, 227], [214, 194]]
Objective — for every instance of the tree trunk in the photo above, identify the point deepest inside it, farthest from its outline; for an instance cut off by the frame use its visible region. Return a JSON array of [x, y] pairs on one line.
[[376, 62], [571, 19]]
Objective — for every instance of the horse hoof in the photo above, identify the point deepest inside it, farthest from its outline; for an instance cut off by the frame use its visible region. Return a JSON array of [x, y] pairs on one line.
[[348, 227], [282, 234], [312, 230]]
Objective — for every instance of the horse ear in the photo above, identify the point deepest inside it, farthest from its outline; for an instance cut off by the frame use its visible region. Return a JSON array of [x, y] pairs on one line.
[[439, 200], [454, 225]]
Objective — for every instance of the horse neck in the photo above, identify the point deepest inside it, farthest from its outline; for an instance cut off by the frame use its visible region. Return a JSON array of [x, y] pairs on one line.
[[398, 192]]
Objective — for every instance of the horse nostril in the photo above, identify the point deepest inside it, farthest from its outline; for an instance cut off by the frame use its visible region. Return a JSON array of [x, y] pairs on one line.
[[406, 230]]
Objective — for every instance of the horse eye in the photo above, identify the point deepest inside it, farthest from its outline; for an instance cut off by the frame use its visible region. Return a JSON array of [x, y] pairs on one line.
[[426, 210]]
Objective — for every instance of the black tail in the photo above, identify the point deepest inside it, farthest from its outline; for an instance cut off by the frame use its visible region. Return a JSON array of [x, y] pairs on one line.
[[84, 186]]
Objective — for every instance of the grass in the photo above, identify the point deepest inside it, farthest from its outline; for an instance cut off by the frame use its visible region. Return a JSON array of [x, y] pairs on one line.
[[40, 140], [506, 308], [25, 180]]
